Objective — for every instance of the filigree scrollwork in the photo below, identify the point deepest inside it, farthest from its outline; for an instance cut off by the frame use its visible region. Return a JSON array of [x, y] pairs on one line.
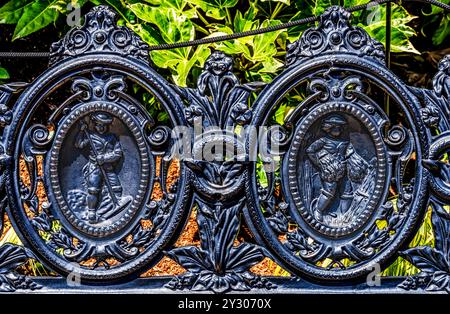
[[218, 265], [434, 263], [435, 112], [99, 33], [345, 195], [84, 168], [6, 91], [11, 257], [334, 33], [440, 182], [218, 159], [441, 81], [87, 157]]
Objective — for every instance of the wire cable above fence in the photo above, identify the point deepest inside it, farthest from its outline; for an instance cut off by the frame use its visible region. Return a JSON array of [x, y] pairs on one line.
[[210, 40]]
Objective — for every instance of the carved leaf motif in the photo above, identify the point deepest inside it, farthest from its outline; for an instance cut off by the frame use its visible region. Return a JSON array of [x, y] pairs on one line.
[[192, 259], [224, 234], [62, 240], [296, 241], [278, 222], [242, 257], [41, 222], [218, 265], [434, 263], [11, 257], [230, 170], [205, 169], [426, 258], [441, 224], [439, 282], [206, 220]]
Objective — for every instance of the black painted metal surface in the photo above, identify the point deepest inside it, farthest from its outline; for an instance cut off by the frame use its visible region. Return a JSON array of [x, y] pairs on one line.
[[326, 213]]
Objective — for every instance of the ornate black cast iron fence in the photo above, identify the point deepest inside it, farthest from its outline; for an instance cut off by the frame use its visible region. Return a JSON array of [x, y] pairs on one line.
[[93, 156]]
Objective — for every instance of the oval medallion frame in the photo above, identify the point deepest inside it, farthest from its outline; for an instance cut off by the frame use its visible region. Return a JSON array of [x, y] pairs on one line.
[[33, 97], [399, 93]]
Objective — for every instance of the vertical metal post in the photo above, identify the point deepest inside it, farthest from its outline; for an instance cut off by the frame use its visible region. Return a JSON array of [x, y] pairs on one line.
[[388, 44]]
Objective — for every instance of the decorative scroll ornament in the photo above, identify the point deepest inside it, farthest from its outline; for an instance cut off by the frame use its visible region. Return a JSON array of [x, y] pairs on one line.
[[436, 115], [321, 215], [218, 103], [334, 34], [6, 91], [434, 263], [441, 81], [82, 158], [11, 257], [99, 33]]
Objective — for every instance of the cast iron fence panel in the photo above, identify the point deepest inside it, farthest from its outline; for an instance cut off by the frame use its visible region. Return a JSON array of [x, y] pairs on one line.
[[86, 203]]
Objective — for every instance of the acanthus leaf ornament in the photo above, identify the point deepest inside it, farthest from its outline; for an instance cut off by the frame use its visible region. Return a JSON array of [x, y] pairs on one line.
[[11, 257], [219, 99], [6, 91], [218, 104], [434, 263], [218, 265]]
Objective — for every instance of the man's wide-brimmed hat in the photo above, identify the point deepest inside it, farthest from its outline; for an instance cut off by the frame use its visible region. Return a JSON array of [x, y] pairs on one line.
[[102, 117], [335, 119]]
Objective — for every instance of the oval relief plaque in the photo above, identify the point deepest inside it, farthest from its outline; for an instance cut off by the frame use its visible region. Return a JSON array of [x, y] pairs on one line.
[[99, 168], [336, 169]]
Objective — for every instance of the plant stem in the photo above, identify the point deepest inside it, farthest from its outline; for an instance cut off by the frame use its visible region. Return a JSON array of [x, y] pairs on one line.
[[204, 21], [229, 17], [277, 10], [200, 29], [118, 10]]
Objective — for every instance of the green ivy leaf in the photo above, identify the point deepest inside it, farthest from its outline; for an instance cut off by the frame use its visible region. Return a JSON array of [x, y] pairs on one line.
[[172, 27], [317, 7], [259, 50], [147, 34], [215, 8], [286, 2], [401, 32], [11, 12], [443, 30], [36, 16], [4, 75]]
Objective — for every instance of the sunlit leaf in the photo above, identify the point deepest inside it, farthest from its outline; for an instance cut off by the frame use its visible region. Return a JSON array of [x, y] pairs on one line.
[[215, 8], [11, 12], [3, 74], [36, 16], [443, 31], [375, 25]]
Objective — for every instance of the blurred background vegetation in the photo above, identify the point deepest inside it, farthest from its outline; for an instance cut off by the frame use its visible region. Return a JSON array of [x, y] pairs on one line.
[[420, 38]]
